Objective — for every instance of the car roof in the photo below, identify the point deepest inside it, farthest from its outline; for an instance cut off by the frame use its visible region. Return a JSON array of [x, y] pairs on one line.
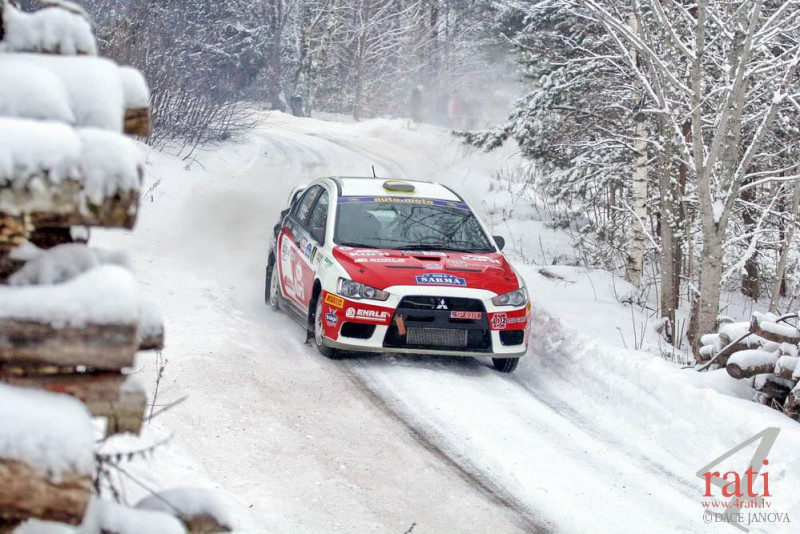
[[355, 186]]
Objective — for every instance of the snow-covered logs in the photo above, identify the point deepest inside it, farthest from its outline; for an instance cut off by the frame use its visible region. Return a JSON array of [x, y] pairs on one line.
[[765, 351], [71, 317]]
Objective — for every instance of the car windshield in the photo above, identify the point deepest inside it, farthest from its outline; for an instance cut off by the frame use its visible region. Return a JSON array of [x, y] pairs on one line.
[[409, 223]]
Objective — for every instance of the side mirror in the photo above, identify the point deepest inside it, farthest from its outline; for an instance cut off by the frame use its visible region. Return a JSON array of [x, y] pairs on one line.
[[318, 234], [500, 241]]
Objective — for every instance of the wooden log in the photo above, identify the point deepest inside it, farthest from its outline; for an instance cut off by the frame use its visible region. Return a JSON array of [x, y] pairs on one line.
[[87, 387], [748, 363], [137, 122], [786, 366], [154, 341], [27, 494], [772, 386], [792, 403], [779, 333], [105, 347], [67, 204], [124, 414]]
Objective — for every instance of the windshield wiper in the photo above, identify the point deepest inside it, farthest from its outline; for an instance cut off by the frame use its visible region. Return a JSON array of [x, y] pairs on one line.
[[440, 247], [355, 245]]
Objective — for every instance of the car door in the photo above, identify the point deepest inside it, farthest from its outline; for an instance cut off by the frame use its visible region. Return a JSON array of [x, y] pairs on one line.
[[293, 241]]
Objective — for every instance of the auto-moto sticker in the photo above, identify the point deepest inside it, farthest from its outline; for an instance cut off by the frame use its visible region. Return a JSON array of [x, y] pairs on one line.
[[368, 253], [331, 318], [466, 315], [333, 300], [440, 279], [481, 259], [367, 315], [380, 260], [405, 200]]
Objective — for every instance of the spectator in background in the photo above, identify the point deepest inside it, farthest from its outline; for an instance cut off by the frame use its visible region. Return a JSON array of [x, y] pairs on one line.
[[297, 105]]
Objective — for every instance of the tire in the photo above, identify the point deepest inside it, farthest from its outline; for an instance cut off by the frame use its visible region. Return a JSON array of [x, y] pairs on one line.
[[505, 365], [272, 291], [328, 352]]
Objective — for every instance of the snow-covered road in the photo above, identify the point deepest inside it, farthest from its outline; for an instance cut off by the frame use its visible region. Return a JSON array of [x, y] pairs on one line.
[[583, 438]]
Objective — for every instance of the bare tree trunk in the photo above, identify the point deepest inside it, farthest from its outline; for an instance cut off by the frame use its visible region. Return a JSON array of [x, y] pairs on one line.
[[670, 248], [362, 50], [784, 259], [751, 283], [636, 238]]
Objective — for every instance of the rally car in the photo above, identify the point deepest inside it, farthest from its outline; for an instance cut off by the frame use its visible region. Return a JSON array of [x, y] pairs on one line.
[[376, 265]]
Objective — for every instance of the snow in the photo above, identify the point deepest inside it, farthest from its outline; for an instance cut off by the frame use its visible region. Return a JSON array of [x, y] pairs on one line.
[[187, 503], [753, 357], [137, 94], [780, 329], [104, 295], [114, 518], [52, 29], [588, 434], [81, 90], [150, 322], [32, 152], [65, 262], [49, 432]]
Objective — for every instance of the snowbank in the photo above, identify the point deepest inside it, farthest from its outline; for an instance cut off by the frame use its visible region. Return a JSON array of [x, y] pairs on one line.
[[54, 30], [33, 153], [50, 432], [188, 503], [104, 295]]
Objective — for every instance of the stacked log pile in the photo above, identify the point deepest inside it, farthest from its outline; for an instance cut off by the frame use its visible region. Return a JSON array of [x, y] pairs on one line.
[[763, 351]]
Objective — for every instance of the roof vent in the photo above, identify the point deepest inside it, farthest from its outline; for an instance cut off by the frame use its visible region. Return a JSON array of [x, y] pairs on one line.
[[396, 185]]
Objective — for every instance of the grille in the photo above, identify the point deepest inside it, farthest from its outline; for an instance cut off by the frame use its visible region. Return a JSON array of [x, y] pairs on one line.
[[437, 337], [429, 324]]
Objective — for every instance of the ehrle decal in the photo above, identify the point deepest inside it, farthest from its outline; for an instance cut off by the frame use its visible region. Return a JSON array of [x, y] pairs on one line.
[[466, 315], [501, 320], [333, 300], [367, 315], [380, 260], [368, 253], [485, 259], [331, 318], [440, 279]]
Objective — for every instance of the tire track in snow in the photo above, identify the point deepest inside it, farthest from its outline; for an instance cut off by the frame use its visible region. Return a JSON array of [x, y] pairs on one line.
[[470, 475]]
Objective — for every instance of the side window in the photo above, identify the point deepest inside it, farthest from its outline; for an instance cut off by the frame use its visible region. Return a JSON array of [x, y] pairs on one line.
[[319, 217], [303, 207]]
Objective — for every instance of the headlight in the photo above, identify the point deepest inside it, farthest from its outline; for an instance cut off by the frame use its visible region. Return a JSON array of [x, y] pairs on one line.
[[354, 290], [517, 297]]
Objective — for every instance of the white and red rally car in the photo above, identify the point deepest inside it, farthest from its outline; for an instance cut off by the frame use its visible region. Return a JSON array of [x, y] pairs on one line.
[[373, 265]]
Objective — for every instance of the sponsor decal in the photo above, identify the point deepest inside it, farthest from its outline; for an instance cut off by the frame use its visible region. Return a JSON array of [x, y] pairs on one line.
[[456, 263], [367, 315], [345, 249], [405, 200], [432, 266], [482, 259], [380, 260], [331, 318], [423, 253], [299, 288], [466, 315], [327, 262], [308, 250], [368, 253], [333, 300], [501, 320], [440, 279], [303, 243], [313, 254]]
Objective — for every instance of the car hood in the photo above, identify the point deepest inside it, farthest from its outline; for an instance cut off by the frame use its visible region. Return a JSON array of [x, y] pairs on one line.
[[382, 268]]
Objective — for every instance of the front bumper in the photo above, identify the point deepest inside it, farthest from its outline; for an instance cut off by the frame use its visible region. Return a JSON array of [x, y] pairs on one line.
[[411, 322]]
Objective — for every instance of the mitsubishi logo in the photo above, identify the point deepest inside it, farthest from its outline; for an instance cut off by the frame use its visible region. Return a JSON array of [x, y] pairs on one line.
[[442, 305]]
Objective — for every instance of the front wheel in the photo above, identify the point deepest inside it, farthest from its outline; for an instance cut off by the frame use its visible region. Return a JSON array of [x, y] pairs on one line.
[[505, 365], [272, 290], [319, 339]]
